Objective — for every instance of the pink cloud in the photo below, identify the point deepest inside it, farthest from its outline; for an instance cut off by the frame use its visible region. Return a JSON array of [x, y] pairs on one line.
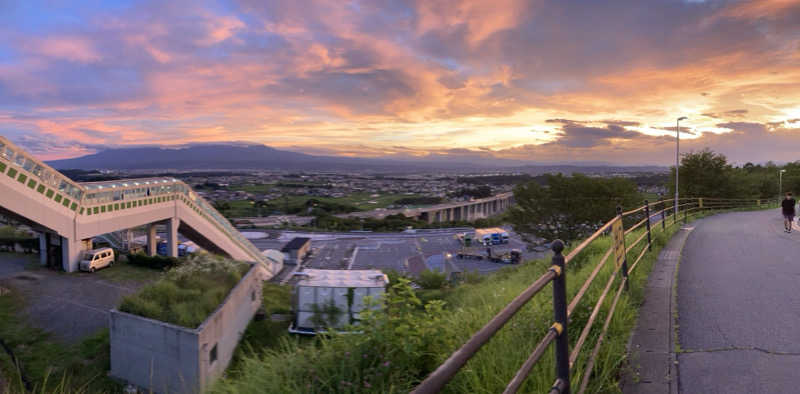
[[76, 49]]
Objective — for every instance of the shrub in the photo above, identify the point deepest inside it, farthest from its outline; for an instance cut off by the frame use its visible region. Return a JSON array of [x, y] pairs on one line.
[[398, 345], [155, 262], [432, 279]]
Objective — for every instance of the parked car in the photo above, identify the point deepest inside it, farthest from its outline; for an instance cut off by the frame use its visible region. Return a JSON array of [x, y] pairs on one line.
[[96, 259]]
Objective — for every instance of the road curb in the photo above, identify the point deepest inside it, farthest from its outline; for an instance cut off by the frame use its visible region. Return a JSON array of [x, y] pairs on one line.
[[651, 348]]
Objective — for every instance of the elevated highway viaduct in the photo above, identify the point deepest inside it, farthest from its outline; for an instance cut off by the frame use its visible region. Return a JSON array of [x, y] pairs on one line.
[[449, 212]]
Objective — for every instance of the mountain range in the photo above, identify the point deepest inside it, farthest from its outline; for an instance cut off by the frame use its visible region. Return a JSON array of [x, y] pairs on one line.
[[262, 157]]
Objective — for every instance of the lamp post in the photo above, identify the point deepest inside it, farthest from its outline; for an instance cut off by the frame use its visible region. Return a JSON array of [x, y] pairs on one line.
[[677, 158], [780, 183]]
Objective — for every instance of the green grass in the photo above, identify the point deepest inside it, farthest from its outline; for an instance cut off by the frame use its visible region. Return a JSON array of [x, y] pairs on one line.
[[267, 334], [124, 273], [10, 232], [50, 366], [468, 308], [360, 201], [188, 294], [262, 188]]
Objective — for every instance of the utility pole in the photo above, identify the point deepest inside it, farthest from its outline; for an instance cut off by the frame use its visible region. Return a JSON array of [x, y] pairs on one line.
[[677, 158]]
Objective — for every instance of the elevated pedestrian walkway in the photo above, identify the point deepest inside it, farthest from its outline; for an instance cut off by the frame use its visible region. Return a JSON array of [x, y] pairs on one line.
[[69, 214]]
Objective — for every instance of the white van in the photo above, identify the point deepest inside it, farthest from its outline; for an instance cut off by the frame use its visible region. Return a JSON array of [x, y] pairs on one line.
[[96, 259]]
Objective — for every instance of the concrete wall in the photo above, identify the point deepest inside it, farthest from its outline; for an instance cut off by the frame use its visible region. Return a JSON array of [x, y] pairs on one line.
[[151, 354], [225, 327], [165, 358]]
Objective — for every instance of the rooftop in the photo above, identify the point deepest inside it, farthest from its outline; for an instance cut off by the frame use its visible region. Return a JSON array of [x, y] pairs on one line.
[[295, 243]]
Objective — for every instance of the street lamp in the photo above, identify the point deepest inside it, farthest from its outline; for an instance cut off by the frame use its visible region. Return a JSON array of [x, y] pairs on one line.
[[677, 158], [780, 183]]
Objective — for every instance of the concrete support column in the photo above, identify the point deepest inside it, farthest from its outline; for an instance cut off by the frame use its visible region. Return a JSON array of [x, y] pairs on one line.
[[151, 239], [43, 248], [71, 251], [172, 237]]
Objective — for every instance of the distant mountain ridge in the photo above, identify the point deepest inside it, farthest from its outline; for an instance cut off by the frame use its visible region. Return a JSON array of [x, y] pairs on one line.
[[252, 156]]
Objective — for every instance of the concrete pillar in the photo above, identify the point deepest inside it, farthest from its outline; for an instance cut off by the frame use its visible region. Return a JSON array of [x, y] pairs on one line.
[[151, 239], [71, 253], [438, 216], [172, 237], [43, 248]]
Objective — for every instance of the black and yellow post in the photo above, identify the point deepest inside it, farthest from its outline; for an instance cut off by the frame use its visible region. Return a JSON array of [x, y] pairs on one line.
[[560, 319], [619, 240], [647, 212]]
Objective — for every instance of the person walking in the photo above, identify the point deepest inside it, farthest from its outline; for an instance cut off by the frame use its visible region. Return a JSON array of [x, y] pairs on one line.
[[788, 204]]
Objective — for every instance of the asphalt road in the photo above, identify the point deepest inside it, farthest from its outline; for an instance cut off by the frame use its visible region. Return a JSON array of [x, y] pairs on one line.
[[739, 306]]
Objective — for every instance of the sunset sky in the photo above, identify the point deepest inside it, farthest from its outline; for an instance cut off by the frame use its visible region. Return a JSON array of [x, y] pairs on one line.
[[532, 80]]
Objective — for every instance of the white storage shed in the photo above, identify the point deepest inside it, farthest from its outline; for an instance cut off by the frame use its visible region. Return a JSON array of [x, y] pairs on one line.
[[334, 296]]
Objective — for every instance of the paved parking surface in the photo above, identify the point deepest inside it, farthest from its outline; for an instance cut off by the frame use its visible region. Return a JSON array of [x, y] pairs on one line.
[[392, 250], [71, 306]]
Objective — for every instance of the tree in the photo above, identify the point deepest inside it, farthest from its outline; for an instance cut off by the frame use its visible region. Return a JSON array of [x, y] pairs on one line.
[[569, 207], [704, 174]]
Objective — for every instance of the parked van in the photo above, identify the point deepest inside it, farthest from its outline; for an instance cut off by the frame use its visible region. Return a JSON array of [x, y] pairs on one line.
[[98, 258]]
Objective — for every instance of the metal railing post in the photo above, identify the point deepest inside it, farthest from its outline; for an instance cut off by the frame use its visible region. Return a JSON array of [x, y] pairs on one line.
[[647, 212], [685, 214], [624, 268], [560, 317], [664, 216]]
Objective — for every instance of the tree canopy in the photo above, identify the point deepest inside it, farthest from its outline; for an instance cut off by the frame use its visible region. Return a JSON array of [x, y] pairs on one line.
[[569, 207]]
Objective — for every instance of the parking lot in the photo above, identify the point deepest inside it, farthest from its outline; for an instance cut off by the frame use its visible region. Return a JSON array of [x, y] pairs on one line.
[[395, 251], [70, 306]]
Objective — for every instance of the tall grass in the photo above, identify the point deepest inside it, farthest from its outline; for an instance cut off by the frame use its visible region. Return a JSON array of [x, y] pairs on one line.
[[468, 308], [188, 294], [51, 366]]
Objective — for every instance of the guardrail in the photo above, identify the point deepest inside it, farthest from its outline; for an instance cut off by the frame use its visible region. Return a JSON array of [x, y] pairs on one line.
[[660, 214]]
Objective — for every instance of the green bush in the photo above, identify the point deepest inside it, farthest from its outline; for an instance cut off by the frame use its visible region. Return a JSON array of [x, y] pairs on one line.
[[398, 345], [188, 294], [155, 262], [432, 280]]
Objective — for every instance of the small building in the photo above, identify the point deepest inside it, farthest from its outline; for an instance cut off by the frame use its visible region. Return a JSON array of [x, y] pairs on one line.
[[296, 250], [333, 298]]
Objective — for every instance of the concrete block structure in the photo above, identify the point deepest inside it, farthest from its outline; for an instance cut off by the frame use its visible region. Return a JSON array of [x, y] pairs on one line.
[[165, 358], [296, 249], [69, 214]]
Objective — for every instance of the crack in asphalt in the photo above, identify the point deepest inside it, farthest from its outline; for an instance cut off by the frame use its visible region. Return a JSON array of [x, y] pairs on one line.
[[739, 348]]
